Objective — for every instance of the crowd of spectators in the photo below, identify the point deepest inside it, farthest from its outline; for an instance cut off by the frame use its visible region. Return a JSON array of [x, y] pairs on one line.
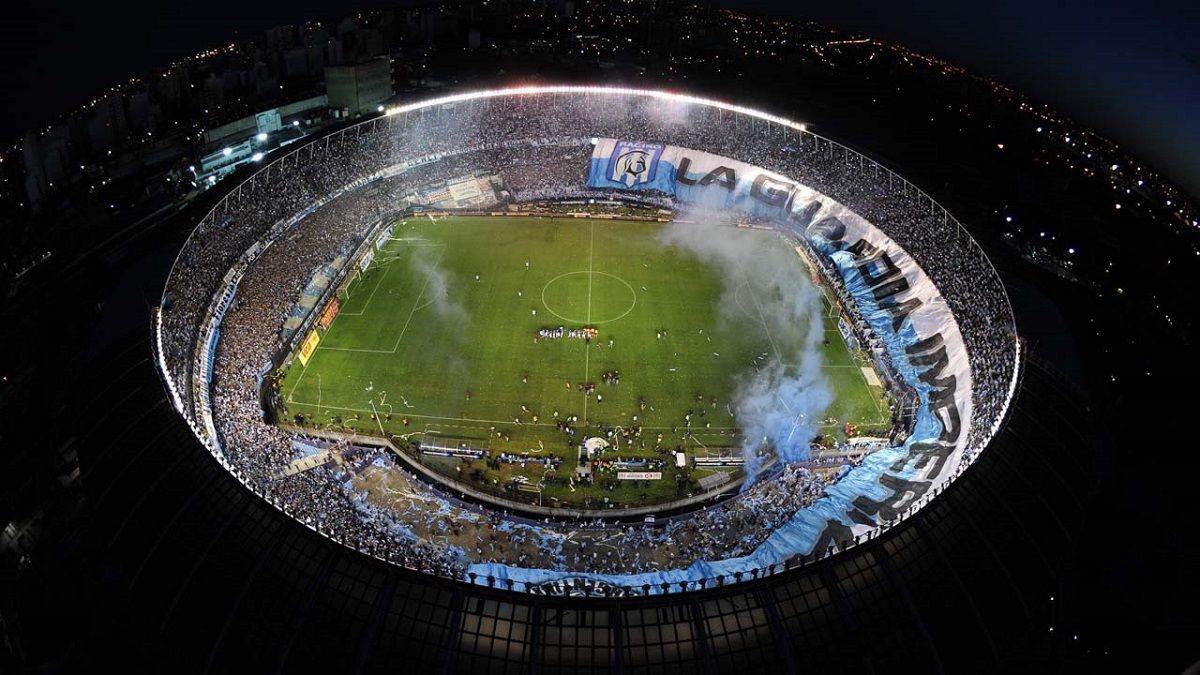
[[729, 530], [534, 145]]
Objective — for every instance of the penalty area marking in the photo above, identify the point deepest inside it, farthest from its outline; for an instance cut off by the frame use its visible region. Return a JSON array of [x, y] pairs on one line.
[[745, 285], [386, 263], [386, 268], [416, 306]]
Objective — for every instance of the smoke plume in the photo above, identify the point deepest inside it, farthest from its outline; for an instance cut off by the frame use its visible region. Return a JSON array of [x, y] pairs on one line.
[[781, 396], [439, 294]]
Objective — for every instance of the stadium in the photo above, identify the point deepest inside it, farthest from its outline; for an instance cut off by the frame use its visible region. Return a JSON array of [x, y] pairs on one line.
[[587, 341]]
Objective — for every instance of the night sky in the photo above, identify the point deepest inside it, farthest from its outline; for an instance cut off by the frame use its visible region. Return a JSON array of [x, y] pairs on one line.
[[1129, 69]]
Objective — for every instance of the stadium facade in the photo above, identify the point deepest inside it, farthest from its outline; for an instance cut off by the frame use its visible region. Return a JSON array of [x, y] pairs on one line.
[[199, 574], [924, 294]]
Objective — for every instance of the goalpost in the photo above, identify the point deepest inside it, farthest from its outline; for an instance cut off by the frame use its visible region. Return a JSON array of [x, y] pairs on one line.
[[343, 291]]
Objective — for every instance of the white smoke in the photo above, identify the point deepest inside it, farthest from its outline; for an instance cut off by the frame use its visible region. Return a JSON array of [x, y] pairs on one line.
[[782, 396], [439, 293]]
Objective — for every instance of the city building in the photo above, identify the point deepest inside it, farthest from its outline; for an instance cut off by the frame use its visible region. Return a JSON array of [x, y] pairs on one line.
[[359, 88]]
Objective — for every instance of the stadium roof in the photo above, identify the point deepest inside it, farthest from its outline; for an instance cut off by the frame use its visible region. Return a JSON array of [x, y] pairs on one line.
[[594, 89]]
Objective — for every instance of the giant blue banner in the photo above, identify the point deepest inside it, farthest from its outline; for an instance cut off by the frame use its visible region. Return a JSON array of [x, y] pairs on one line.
[[907, 316]]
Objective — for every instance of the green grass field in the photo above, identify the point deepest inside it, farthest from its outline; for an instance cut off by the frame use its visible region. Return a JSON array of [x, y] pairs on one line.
[[421, 340]]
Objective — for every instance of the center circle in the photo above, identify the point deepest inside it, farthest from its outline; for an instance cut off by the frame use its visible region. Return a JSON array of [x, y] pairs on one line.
[[588, 298]]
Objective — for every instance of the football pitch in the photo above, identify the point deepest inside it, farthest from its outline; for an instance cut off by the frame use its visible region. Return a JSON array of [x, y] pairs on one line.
[[440, 337]]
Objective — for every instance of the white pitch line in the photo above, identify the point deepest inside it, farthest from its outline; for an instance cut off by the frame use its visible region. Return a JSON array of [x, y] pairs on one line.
[[357, 349], [587, 353], [378, 283], [833, 314], [591, 248], [763, 320], [587, 349], [871, 395], [823, 365], [414, 307], [362, 350], [302, 372], [431, 417], [707, 432]]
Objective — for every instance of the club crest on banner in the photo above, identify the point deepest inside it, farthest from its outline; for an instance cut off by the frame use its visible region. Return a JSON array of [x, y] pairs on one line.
[[633, 163]]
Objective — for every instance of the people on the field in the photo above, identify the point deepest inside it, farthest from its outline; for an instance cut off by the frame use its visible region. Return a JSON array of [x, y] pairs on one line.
[[263, 208]]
